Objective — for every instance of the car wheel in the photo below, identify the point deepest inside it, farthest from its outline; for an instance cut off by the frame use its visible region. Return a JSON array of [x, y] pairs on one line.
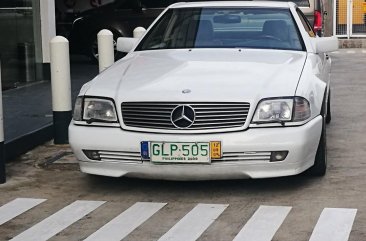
[[93, 47], [320, 164], [329, 116]]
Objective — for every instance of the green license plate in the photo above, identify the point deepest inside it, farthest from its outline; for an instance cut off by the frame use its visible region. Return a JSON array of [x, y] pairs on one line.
[[180, 152]]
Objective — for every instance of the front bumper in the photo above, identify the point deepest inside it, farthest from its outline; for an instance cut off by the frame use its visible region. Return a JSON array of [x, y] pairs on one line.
[[301, 142]]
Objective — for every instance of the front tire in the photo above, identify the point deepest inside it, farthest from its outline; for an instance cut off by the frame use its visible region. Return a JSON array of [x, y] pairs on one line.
[[328, 116], [320, 164]]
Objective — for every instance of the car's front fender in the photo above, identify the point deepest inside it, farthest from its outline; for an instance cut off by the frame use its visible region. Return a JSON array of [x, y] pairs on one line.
[[314, 82]]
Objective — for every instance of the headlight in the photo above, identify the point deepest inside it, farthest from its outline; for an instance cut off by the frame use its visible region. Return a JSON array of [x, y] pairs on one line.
[[77, 115], [94, 110], [282, 110], [99, 110]]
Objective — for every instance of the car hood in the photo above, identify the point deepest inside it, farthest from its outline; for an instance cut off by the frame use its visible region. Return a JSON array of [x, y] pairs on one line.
[[230, 75]]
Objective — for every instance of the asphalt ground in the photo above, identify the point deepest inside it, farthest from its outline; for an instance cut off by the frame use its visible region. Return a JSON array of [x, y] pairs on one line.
[[304, 208]]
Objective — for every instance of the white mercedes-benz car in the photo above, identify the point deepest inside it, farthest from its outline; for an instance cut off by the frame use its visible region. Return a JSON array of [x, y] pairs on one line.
[[212, 90]]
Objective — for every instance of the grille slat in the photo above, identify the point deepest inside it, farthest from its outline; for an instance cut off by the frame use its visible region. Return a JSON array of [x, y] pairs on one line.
[[215, 111], [147, 108], [218, 119], [244, 156], [221, 115], [217, 123], [227, 157], [146, 115], [235, 154], [147, 119], [220, 108], [120, 156], [120, 153], [157, 115], [147, 122], [147, 111]]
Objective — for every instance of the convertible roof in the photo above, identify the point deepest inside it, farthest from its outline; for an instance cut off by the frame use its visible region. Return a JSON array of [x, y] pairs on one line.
[[271, 4]]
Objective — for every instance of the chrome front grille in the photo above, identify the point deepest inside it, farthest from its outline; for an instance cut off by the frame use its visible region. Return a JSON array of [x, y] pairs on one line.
[[157, 115]]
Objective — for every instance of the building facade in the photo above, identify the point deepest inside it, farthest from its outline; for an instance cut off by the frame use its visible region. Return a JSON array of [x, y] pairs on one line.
[[26, 27]]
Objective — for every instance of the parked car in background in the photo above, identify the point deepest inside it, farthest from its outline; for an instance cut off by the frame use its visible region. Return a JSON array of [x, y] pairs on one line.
[[314, 11], [213, 90], [123, 16], [120, 17]]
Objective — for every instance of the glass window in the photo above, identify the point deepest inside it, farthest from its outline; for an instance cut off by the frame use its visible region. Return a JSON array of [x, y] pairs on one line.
[[17, 47], [306, 23], [224, 28]]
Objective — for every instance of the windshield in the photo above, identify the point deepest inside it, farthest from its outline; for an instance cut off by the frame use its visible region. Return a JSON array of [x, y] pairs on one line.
[[223, 28]]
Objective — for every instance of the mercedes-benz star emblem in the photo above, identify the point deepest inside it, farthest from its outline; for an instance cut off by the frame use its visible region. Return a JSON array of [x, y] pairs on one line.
[[183, 116]]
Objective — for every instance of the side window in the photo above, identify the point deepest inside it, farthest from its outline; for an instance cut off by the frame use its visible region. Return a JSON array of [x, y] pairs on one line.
[[305, 23]]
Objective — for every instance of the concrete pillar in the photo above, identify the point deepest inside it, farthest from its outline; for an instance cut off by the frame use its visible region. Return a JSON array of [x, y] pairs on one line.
[[139, 32]]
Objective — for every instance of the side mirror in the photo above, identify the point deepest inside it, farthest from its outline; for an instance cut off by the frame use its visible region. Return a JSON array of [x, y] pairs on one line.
[[126, 44], [326, 44]]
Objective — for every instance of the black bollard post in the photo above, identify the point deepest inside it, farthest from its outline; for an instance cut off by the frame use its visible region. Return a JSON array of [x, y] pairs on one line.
[[2, 157]]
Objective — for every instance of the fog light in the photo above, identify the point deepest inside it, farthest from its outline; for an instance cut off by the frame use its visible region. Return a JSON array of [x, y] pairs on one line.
[[277, 156], [93, 155]]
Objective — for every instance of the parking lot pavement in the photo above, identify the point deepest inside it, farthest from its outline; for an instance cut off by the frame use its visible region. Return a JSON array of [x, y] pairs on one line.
[[48, 198]]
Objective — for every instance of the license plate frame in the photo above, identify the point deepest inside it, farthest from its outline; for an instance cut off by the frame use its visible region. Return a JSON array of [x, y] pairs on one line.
[[180, 152]]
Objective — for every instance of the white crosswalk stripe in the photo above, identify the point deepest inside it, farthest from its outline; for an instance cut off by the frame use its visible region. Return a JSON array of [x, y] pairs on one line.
[[263, 225], [334, 224], [58, 221], [126, 222], [17, 207], [191, 226]]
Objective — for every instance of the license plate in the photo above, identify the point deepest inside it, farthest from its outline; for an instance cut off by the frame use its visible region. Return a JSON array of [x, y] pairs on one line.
[[184, 152]]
